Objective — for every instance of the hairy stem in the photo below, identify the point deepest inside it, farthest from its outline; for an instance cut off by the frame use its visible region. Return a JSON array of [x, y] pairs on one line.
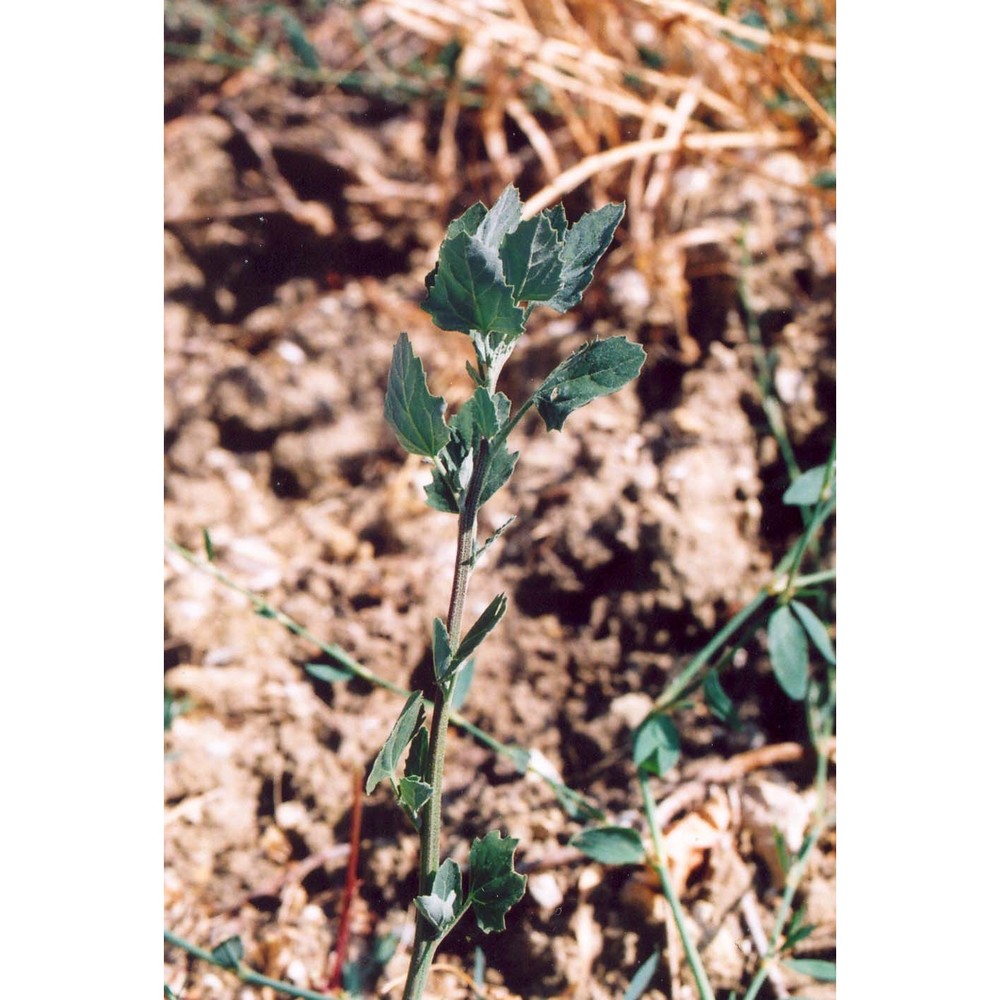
[[426, 943]]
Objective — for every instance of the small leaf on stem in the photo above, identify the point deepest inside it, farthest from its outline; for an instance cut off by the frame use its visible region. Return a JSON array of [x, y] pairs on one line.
[[494, 886], [612, 845], [403, 731], [656, 745], [585, 244], [414, 414], [807, 488], [789, 650], [485, 624], [596, 369], [816, 631], [229, 954]]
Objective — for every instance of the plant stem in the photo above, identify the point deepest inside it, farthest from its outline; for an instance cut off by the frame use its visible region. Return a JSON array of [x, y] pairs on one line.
[[426, 941], [694, 960], [243, 973]]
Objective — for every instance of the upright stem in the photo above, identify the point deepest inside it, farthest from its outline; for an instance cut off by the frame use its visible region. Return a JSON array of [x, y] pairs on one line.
[[425, 943]]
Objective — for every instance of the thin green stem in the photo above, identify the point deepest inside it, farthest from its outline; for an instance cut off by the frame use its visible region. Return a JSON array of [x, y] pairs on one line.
[[426, 941], [243, 973], [694, 959], [515, 754]]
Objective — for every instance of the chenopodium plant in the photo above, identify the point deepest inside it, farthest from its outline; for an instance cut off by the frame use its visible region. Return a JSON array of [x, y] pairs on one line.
[[493, 270]]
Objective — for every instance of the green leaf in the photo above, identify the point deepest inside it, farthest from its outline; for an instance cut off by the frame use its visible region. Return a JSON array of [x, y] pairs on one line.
[[826, 179], [719, 703], [445, 900], [656, 745], [642, 978], [818, 968], [229, 954], [494, 886], [441, 649], [485, 624], [596, 369], [463, 682], [468, 222], [531, 262], [481, 551], [500, 220], [585, 244], [298, 40], [501, 468], [414, 414], [612, 845], [413, 795], [468, 291], [806, 490], [786, 641], [209, 547], [403, 731], [328, 673], [416, 759], [556, 218], [816, 631], [450, 480]]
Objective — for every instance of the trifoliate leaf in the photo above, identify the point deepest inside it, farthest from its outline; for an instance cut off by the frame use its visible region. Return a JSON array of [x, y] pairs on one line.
[[719, 703], [531, 262], [328, 673], [229, 954], [402, 732], [789, 650], [596, 369], [642, 978], [816, 631], [468, 291], [414, 414], [612, 845], [485, 624], [585, 244], [818, 968], [807, 489], [500, 220], [494, 886], [656, 745]]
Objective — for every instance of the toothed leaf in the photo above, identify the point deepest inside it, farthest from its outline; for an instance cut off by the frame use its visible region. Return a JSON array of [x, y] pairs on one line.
[[494, 886], [414, 414], [596, 369], [500, 220], [584, 245], [531, 260]]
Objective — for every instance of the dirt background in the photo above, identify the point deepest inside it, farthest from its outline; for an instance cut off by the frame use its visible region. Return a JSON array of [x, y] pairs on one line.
[[301, 217]]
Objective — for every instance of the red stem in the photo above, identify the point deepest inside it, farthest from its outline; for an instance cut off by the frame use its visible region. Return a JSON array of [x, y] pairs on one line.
[[350, 887]]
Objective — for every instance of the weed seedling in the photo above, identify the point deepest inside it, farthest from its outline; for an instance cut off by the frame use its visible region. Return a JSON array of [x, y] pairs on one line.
[[494, 268]]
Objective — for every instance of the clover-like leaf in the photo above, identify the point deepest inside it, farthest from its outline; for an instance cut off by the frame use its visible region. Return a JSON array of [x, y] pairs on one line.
[[468, 291], [484, 624], [229, 954], [598, 368], [786, 641], [584, 245], [656, 745], [612, 845], [399, 738], [807, 488], [494, 886], [414, 414], [816, 630]]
